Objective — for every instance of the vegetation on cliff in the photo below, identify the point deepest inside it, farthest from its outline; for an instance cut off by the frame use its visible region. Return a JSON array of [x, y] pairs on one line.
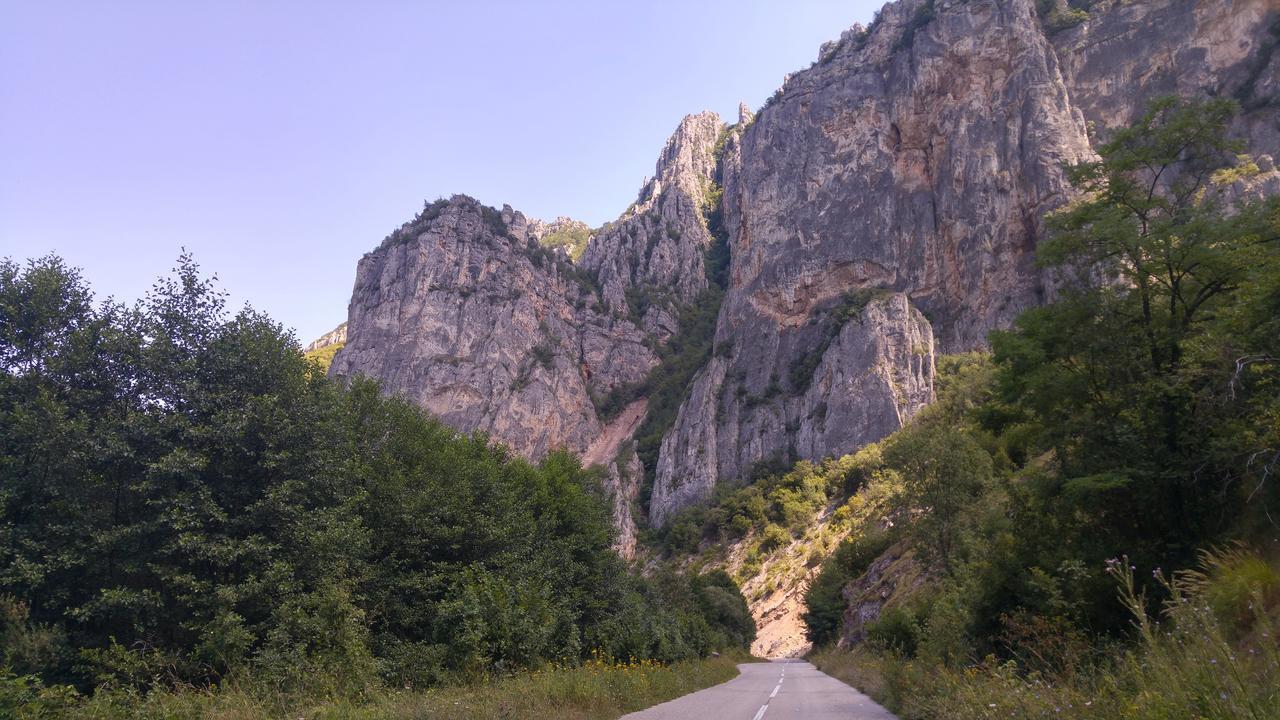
[[323, 356], [570, 236], [186, 502], [680, 358], [1110, 440]]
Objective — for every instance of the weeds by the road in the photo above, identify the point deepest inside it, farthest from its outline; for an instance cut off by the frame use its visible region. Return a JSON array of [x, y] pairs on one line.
[[1211, 654], [593, 691]]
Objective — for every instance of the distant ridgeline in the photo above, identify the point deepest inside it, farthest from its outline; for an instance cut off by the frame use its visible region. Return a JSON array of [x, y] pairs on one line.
[[323, 348]]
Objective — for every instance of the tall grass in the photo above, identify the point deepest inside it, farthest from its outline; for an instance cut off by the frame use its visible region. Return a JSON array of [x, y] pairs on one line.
[[595, 690], [1209, 653]]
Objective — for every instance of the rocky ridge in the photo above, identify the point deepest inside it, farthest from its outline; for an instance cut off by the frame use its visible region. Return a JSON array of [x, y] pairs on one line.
[[482, 316], [336, 336], [884, 206], [652, 258], [919, 157]]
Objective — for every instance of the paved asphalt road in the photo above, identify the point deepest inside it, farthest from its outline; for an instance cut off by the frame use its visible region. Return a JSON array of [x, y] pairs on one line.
[[779, 690]]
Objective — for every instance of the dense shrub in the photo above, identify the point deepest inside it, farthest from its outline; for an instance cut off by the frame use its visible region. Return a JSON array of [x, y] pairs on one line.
[[824, 599], [184, 498]]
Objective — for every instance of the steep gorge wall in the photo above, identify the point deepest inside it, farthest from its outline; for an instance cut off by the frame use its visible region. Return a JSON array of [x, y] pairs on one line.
[[919, 158], [883, 207], [1129, 53], [463, 311], [653, 255], [920, 167]]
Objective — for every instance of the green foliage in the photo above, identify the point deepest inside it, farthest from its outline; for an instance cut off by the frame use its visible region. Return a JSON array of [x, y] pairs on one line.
[[1128, 425], [897, 630], [323, 356], [183, 500], [572, 237], [667, 382], [774, 537], [430, 211], [1234, 584], [786, 501], [544, 353], [1144, 386], [1182, 665], [1057, 15], [824, 600], [944, 472]]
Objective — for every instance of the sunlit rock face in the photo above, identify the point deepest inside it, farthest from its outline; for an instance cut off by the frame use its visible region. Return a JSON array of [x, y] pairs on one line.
[[465, 314], [883, 207], [920, 157], [920, 163], [656, 249]]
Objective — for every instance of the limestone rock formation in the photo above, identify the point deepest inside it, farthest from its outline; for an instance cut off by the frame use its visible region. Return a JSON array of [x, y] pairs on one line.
[[463, 312], [336, 336], [564, 235], [852, 374], [890, 578], [652, 258], [885, 205], [918, 158]]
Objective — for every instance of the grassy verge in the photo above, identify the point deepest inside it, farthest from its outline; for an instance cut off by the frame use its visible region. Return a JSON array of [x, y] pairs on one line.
[[596, 690], [1209, 654]]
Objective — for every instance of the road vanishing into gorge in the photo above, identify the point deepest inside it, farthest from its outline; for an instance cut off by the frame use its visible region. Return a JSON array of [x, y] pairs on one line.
[[778, 690]]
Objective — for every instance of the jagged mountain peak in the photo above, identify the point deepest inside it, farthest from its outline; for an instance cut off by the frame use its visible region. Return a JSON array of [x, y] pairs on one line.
[[885, 204], [654, 254]]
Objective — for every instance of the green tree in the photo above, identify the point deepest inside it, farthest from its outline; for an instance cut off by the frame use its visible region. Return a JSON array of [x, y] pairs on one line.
[[1125, 376], [944, 472], [183, 498]]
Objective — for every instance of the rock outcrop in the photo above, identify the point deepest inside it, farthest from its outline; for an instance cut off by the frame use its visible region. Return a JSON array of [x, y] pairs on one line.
[[463, 312], [1126, 54], [483, 317], [887, 582], [917, 158], [884, 206], [857, 371], [920, 156], [652, 258], [336, 336]]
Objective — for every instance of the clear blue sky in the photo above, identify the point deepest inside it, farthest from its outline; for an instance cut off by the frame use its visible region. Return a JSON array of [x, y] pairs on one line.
[[279, 141]]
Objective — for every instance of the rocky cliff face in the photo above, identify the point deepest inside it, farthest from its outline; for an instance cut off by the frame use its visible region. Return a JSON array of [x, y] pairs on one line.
[[336, 336], [853, 374], [1126, 54], [652, 258], [920, 157], [883, 206], [463, 312]]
